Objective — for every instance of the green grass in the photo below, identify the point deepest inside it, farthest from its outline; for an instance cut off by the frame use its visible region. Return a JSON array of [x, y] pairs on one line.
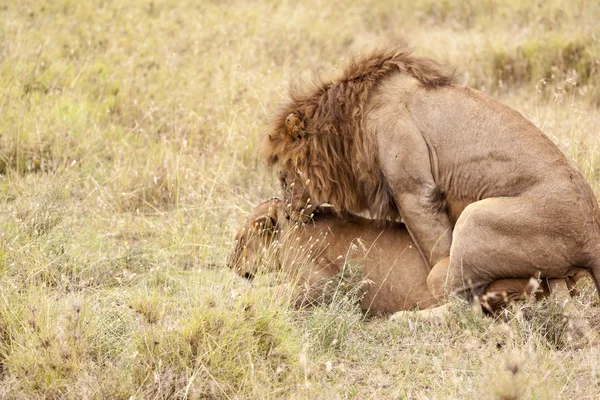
[[128, 158]]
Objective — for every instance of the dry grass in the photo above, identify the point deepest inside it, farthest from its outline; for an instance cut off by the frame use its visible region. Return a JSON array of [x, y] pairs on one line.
[[128, 158]]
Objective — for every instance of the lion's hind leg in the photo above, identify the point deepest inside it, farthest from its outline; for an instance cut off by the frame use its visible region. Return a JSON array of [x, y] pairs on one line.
[[504, 291], [516, 238]]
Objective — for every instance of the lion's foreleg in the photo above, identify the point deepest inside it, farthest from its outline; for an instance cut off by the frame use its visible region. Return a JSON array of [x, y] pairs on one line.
[[429, 227], [405, 161]]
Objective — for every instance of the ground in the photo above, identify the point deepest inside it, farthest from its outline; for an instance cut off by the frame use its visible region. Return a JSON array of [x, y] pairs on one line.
[[129, 156]]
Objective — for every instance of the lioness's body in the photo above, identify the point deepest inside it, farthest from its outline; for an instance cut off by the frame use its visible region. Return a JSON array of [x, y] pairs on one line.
[[484, 193], [390, 264]]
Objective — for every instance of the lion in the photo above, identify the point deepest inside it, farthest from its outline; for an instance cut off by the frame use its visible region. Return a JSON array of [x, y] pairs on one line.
[[484, 194], [393, 273]]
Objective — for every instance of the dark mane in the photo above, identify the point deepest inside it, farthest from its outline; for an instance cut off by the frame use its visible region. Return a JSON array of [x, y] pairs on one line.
[[377, 64], [366, 70], [334, 146]]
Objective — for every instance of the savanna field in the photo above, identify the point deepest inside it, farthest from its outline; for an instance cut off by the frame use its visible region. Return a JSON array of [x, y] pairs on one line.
[[129, 157]]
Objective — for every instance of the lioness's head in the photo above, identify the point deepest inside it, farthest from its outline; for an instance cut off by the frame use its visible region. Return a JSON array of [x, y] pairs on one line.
[[253, 240]]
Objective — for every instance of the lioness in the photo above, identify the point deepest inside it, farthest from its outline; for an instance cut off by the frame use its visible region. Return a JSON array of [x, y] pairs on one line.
[[394, 273], [484, 193]]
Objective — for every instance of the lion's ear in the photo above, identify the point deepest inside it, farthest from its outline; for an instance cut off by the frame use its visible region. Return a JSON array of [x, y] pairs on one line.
[[264, 224], [294, 127]]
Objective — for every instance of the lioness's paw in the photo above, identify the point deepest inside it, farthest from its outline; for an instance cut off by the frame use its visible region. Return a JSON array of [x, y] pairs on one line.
[[437, 314]]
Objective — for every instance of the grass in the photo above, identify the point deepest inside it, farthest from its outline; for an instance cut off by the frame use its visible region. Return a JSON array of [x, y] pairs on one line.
[[128, 158]]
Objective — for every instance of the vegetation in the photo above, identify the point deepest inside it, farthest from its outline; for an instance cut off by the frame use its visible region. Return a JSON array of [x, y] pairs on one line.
[[128, 158]]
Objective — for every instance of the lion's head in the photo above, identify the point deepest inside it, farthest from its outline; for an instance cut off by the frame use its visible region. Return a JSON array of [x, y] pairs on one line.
[[318, 140], [253, 241], [301, 142]]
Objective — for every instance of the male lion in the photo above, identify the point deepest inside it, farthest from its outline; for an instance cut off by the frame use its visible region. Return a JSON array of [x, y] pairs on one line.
[[484, 193], [393, 272]]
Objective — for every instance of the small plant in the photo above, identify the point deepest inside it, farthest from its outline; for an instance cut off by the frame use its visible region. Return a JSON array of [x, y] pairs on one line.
[[149, 306]]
